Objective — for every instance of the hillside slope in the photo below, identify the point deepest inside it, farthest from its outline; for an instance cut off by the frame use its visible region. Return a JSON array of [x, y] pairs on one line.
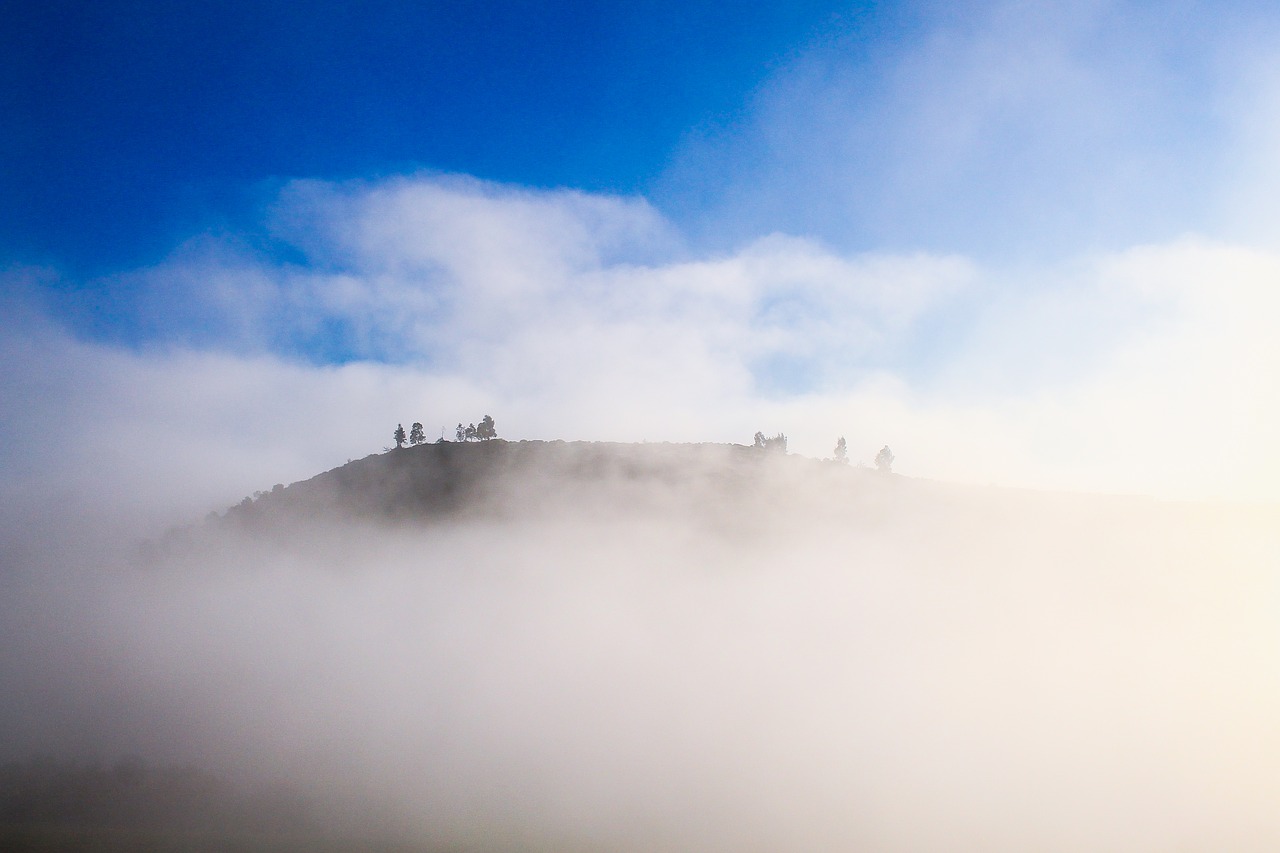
[[501, 479]]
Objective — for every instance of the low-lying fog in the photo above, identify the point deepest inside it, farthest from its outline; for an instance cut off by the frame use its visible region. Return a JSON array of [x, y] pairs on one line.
[[804, 657]]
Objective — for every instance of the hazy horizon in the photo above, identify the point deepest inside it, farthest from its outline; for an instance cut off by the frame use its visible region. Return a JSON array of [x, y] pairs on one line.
[[1023, 245], [718, 654], [1032, 248]]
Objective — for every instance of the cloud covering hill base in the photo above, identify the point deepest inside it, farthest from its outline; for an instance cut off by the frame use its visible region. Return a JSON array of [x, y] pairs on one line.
[[818, 658], [1031, 245], [568, 315]]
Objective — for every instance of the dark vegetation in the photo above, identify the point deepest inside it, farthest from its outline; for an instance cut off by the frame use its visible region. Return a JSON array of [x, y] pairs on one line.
[[725, 486], [777, 444], [486, 431], [443, 481], [129, 806]]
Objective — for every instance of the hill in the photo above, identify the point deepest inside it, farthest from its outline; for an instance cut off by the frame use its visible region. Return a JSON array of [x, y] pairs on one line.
[[500, 479]]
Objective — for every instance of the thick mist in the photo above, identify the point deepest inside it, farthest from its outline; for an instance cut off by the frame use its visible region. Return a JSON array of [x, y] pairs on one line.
[[683, 649]]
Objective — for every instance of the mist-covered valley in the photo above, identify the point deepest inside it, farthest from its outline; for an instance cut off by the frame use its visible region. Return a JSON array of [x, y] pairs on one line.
[[550, 646]]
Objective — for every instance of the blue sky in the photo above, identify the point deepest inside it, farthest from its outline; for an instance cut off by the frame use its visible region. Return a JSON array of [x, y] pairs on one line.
[[129, 125], [982, 128], [1025, 243]]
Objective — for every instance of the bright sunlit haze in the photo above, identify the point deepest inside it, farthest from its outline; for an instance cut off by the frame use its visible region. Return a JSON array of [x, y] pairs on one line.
[[1031, 247]]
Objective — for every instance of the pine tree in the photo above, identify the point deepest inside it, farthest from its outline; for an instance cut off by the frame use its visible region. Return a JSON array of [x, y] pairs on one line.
[[416, 436], [842, 452], [777, 444], [398, 435]]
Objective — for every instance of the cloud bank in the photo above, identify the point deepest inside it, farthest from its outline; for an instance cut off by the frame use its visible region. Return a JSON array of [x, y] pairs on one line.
[[803, 656], [1022, 244], [979, 258], [569, 315]]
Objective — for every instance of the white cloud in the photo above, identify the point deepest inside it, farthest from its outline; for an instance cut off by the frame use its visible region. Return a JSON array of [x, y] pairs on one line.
[[1150, 370], [1004, 130], [801, 661]]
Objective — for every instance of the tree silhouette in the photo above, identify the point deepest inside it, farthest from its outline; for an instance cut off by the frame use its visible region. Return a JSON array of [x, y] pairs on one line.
[[884, 459], [777, 444], [398, 435], [486, 430], [416, 435], [842, 452], [462, 433], [470, 433]]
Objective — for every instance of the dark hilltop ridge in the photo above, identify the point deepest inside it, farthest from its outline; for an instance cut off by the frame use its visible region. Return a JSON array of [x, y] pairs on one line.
[[725, 488], [502, 479]]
